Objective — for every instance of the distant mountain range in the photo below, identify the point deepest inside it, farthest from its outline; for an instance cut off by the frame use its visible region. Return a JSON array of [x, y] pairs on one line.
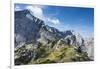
[[32, 32]]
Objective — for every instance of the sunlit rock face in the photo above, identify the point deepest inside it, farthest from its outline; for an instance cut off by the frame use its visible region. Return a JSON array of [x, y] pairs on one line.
[[89, 43]]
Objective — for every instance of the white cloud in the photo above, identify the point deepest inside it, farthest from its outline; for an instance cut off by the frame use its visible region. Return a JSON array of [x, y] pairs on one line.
[[17, 8], [54, 21], [37, 11]]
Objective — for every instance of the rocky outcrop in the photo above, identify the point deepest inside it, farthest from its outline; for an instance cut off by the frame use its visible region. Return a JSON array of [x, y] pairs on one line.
[[89, 43]]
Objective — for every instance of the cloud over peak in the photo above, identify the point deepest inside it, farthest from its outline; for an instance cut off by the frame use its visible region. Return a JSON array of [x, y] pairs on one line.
[[38, 12]]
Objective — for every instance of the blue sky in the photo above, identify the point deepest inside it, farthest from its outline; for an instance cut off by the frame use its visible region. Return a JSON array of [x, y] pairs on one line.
[[63, 18]]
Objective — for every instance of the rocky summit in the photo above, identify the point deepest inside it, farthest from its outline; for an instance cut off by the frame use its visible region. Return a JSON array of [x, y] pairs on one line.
[[37, 43]]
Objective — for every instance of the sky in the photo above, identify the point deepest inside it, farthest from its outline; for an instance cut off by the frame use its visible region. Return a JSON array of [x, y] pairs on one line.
[[79, 19]]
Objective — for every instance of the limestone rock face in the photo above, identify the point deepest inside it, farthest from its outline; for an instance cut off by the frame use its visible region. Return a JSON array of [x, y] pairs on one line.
[[31, 29], [89, 43]]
